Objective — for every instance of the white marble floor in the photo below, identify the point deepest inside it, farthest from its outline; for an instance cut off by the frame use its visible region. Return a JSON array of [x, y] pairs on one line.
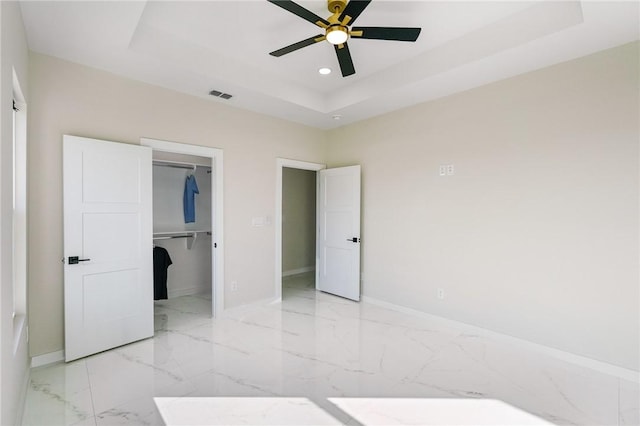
[[349, 363]]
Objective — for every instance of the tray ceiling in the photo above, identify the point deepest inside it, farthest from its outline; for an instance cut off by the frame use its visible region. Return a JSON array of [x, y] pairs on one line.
[[195, 47]]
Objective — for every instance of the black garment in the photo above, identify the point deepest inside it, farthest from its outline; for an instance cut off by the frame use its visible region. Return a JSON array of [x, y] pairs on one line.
[[161, 262]]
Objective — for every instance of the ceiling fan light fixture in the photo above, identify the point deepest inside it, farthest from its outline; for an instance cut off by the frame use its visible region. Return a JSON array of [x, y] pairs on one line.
[[338, 28], [324, 71], [337, 34]]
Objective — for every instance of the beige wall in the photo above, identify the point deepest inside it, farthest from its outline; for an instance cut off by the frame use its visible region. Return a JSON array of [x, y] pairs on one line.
[[298, 219], [14, 359], [536, 234], [72, 99]]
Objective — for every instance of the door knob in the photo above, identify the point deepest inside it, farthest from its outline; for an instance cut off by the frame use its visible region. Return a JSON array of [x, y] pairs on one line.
[[353, 240], [73, 260]]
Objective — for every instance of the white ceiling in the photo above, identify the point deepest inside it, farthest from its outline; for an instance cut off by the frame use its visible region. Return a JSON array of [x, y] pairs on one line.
[[194, 47]]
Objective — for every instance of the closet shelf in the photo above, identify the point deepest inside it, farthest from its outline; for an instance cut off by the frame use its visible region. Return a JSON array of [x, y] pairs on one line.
[[179, 165], [191, 236]]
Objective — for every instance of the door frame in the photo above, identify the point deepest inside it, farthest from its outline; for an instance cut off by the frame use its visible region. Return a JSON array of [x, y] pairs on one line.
[[217, 210], [292, 164]]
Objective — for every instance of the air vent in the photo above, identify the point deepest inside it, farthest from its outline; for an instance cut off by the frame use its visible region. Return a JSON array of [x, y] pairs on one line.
[[219, 94]]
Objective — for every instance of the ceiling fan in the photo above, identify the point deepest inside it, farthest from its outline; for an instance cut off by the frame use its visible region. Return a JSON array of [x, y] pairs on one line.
[[338, 29]]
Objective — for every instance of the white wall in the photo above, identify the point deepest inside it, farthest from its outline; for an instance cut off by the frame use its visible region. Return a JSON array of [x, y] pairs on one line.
[[536, 234], [73, 99], [298, 220], [14, 359]]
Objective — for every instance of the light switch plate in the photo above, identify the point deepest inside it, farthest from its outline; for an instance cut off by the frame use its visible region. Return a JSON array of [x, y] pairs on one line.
[[450, 170]]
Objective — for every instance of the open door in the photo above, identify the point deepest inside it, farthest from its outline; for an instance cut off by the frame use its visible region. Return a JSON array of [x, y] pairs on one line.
[[338, 269], [108, 228]]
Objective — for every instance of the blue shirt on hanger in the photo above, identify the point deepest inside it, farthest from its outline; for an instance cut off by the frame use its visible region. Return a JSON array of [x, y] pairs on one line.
[[189, 199]]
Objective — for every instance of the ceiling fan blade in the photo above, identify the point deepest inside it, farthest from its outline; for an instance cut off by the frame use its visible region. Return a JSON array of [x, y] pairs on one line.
[[386, 33], [298, 45], [300, 11], [344, 59], [354, 9]]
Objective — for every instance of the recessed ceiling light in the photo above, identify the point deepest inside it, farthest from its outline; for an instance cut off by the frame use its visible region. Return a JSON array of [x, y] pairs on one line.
[[337, 117], [324, 71]]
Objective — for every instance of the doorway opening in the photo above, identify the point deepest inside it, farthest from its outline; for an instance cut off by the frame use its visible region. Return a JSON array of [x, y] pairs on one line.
[[296, 230], [203, 237]]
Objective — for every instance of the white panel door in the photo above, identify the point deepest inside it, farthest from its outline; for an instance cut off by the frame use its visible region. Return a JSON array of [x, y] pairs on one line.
[[338, 269], [108, 287]]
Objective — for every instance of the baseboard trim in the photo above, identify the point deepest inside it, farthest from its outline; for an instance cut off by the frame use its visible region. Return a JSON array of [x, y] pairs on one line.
[[600, 366], [46, 359], [298, 271]]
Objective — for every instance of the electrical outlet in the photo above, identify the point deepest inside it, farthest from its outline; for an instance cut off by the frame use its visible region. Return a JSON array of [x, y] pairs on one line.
[[443, 170], [440, 293], [234, 285]]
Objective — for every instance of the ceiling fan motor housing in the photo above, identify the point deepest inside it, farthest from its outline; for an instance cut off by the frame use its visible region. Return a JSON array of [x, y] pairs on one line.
[[336, 6]]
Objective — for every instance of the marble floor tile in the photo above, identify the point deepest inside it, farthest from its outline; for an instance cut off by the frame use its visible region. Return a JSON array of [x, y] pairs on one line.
[[67, 378], [139, 411], [248, 411], [89, 421], [45, 406], [629, 403], [118, 377], [479, 367], [441, 411], [319, 359]]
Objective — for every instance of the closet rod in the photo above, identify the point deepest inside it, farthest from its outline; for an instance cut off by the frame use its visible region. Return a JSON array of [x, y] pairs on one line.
[[177, 166], [170, 237]]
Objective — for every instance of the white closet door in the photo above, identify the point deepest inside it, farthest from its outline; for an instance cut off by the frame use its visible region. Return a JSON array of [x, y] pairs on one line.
[[108, 272]]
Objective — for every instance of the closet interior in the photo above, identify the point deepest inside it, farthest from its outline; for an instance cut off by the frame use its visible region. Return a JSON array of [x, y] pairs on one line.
[[188, 243]]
